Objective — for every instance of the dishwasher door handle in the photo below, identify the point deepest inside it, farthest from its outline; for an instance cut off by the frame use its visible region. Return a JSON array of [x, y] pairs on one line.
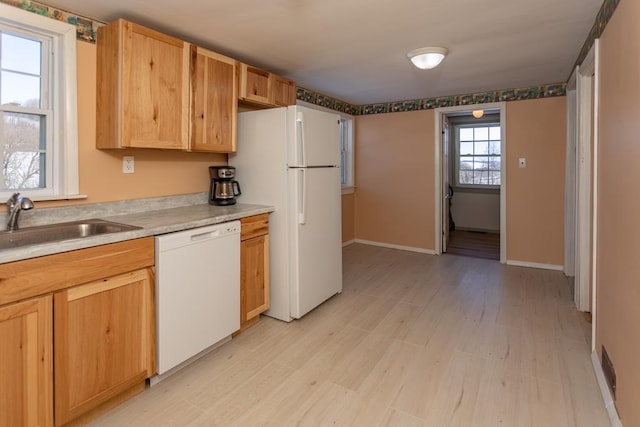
[[205, 236]]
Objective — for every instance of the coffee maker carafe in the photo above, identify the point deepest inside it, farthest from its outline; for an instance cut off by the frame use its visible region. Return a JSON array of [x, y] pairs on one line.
[[224, 189]]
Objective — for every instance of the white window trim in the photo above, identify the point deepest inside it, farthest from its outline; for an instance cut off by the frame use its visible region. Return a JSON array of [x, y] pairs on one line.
[[456, 157], [349, 155], [350, 187], [65, 129]]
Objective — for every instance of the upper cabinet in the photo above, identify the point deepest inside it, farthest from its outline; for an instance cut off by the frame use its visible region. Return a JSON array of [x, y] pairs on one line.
[[142, 88], [284, 91], [156, 91], [255, 85], [214, 104], [265, 89]]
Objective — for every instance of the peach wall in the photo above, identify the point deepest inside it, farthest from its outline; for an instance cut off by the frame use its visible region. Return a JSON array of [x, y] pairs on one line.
[[394, 158], [618, 270], [348, 232], [535, 130], [476, 211], [157, 173]]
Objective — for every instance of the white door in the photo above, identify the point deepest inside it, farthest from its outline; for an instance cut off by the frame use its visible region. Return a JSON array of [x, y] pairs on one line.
[[315, 238], [314, 137]]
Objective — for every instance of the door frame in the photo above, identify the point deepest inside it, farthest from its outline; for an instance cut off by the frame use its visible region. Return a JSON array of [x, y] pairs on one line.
[[439, 157], [570, 197], [586, 191]]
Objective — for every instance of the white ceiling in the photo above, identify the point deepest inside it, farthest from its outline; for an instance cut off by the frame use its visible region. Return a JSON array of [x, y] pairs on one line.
[[355, 50]]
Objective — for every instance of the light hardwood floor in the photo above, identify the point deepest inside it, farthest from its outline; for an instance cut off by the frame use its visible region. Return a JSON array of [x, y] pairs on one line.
[[413, 340]]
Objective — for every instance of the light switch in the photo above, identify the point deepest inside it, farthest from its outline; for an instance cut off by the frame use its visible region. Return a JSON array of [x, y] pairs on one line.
[[522, 162], [127, 164]]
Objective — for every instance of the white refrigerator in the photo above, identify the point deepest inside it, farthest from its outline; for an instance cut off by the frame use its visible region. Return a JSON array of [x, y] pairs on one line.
[[290, 158]]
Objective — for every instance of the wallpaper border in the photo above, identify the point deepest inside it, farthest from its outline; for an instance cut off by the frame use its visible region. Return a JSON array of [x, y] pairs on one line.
[[602, 19], [520, 94], [86, 28]]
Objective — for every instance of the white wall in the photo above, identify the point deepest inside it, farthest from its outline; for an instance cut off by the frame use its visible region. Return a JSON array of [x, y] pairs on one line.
[[476, 211]]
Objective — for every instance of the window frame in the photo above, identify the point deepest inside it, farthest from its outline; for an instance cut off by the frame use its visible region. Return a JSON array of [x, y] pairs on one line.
[[349, 187], [62, 132], [346, 149], [472, 123]]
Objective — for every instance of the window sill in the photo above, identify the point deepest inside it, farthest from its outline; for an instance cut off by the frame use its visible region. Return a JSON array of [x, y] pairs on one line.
[[479, 189], [348, 190], [54, 197]]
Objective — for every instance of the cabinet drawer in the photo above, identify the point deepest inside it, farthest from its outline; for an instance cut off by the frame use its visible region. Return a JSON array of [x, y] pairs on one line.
[[254, 226], [37, 276]]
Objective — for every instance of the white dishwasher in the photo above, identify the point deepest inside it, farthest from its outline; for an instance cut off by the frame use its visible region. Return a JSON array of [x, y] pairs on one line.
[[197, 291]]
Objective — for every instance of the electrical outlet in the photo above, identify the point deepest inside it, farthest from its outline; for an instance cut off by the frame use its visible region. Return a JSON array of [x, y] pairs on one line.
[[127, 164], [522, 162]]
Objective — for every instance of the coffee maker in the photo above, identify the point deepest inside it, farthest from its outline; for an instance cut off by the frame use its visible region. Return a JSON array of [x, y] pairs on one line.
[[224, 189]]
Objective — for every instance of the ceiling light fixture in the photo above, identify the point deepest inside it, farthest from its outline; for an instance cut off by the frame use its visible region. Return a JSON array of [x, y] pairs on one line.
[[427, 58], [477, 113]]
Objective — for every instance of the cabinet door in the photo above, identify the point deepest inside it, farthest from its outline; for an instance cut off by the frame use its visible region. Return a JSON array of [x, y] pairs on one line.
[[26, 378], [284, 91], [254, 260], [155, 89], [104, 341], [255, 85], [214, 97]]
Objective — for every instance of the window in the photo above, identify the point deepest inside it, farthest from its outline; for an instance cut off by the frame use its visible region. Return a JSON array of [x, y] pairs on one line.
[[478, 157], [24, 94], [38, 119], [346, 150]]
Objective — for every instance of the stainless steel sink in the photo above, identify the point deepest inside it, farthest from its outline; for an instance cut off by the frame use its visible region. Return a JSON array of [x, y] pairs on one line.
[[61, 231]]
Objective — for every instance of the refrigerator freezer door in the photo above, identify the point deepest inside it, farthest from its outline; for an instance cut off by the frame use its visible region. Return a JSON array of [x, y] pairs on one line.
[[315, 237], [313, 138]]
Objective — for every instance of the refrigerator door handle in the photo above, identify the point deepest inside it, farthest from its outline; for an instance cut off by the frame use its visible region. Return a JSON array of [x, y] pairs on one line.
[[302, 215], [302, 152]]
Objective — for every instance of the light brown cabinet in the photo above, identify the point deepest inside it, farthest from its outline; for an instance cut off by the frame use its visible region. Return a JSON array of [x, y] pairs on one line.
[[156, 91], [97, 304], [254, 268], [142, 88], [103, 340], [284, 91], [214, 105], [26, 380], [264, 89], [255, 85]]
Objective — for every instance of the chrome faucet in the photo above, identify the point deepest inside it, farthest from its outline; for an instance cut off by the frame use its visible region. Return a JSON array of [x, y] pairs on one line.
[[16, 204]]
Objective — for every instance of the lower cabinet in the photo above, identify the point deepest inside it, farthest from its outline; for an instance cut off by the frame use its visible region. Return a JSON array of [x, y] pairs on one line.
[[254, 268], [77, 333], [26, 379], [103, 335]]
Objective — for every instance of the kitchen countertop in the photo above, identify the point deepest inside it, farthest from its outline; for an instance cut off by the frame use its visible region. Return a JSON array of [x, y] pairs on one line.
[[153, 222]]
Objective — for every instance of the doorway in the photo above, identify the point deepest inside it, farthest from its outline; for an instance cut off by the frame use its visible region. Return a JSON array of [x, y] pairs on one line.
[[471, 181]]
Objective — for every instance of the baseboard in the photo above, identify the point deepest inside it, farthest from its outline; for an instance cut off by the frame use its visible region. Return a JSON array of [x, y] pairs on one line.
[[478, 230], [536, 265], [391, 246], [606, 393], [348, 242]]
